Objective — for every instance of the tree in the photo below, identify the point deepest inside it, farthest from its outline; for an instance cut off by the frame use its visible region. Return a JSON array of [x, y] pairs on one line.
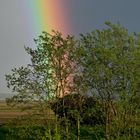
[[50, 74], [109, 63], [50, 70], [103, 64]]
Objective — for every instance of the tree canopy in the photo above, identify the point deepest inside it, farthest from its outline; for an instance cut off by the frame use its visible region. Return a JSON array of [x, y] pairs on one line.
[[103, 64], [50, 72]]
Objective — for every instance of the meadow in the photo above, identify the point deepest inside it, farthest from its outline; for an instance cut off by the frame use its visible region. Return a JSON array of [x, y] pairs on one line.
[[14, 119], [8, 113]]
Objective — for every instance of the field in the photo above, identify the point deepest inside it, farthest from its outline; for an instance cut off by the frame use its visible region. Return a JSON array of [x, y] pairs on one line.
[[12, 119], [7, 113]]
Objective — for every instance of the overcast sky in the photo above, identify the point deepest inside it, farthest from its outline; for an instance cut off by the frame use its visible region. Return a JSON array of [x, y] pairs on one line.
[[84, 15]]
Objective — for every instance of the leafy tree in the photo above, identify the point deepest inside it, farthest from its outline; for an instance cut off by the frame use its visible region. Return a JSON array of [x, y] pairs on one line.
[[50, 74], [103, 65], [109, 63]]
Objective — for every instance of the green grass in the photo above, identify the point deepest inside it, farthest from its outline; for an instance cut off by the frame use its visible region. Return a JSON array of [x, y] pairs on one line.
[[3, 132], [7, 113]]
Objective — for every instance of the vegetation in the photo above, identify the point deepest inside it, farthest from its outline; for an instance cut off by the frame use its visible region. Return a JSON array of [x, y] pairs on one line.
[[87, 88]]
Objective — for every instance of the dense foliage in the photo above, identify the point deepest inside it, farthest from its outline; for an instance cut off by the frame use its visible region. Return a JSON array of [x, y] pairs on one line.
[[92, 84], [89, 108]]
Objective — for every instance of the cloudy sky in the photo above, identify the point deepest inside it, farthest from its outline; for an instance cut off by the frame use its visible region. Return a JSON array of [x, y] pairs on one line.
[[84, 16]]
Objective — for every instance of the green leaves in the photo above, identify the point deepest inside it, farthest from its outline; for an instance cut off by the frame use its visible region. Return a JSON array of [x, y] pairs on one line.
[[104, 64], [109, 67], [51, 65]]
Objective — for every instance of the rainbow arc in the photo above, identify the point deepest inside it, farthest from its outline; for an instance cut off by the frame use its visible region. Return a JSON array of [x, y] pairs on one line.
[[48, 15]]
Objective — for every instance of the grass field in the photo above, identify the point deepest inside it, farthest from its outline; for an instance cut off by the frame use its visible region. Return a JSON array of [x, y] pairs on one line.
[[7, 113], [13, 119]]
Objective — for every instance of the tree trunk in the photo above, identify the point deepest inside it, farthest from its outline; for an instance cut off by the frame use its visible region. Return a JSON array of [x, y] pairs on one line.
[[78, 128]]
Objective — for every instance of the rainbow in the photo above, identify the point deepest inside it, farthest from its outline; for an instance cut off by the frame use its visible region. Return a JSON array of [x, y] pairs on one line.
[[45, 15]]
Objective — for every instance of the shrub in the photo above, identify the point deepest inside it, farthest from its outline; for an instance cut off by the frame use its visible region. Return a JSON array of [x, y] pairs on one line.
[[87, 107]]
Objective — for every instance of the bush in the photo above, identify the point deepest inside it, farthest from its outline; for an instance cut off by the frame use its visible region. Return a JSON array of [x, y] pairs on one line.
[[87, 107]]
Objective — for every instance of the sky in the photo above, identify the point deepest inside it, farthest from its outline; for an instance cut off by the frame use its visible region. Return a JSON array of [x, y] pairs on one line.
[[19, 24]]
